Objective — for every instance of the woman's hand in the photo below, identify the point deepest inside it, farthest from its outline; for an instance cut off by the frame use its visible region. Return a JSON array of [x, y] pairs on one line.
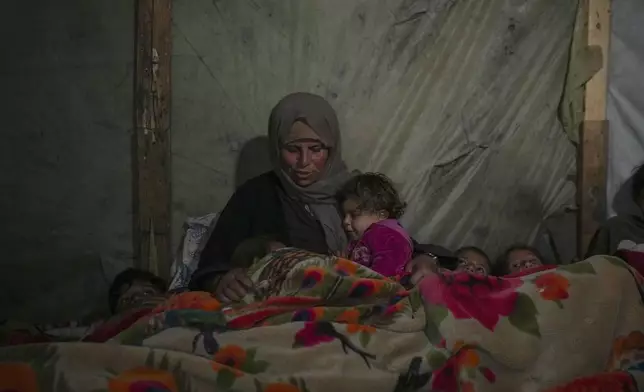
[[421, 266], [232, 287]]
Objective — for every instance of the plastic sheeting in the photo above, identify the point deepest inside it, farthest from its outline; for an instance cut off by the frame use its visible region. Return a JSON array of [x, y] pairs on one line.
[[456, 100], [625, 102]]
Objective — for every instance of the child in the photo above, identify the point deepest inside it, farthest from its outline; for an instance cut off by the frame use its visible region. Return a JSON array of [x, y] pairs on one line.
[[473, 260], [519, 258], [371, 208], [253, 249], [134, 288]]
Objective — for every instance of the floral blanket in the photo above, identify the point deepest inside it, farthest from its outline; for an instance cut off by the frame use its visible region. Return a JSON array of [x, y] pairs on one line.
[[320, 323]]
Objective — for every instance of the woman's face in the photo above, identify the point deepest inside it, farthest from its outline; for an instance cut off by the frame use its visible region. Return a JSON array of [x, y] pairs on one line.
[[304, 155], [522, 259]]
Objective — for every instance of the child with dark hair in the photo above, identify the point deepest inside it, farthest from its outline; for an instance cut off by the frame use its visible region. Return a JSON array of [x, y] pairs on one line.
[[133, 294], [473, 260], [253, 249], [518, 258], [626, 230], [134, 288], [372, 207], [249, 251]]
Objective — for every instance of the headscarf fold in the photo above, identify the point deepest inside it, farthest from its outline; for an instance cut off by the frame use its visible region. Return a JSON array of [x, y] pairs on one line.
[[319, 196]]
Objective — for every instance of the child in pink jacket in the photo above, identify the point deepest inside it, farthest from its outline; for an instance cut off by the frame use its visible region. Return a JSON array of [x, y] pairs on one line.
[[371, 207]]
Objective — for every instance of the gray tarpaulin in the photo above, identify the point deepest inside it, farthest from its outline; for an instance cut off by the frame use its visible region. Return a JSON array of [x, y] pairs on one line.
[[456, 100], [625, 100]]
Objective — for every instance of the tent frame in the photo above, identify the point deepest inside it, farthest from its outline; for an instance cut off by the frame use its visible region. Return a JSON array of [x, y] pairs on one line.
[[151, 152], [593, 138]]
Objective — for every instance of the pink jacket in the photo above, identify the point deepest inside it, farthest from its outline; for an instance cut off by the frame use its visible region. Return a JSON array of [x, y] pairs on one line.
[[385, 247]]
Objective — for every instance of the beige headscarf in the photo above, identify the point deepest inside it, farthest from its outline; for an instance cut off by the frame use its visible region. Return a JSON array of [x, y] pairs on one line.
[[317, 113]]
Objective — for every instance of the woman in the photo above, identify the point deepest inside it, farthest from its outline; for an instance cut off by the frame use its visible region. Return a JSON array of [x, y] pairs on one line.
[[294, 204]]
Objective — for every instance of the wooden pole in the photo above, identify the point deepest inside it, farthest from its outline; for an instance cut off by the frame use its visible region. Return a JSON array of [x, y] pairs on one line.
[[592, 161], [151, 140]]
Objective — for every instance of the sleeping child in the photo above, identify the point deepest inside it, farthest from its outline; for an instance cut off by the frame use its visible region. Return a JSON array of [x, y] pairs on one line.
[[253, 249], [371, 208]]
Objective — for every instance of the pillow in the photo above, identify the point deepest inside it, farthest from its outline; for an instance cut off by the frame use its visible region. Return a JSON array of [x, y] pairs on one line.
[[196, 234]]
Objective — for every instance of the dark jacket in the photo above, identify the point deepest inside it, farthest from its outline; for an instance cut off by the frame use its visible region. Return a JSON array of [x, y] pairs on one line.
[[258, 207]]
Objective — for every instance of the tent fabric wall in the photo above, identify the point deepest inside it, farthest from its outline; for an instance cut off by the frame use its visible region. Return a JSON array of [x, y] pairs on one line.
[[456, 100], [66, 109], [625, 107]]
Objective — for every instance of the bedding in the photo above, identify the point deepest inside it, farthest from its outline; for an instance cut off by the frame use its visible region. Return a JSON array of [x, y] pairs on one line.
[[321, 323]]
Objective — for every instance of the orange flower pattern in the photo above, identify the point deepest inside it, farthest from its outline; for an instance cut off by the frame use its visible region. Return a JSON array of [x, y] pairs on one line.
[[281, 387], [364, 288], [312, 277], [231, 356], [552, 286], [355, 328], [232, 362], [191, 300], [351, 318], [17, 376], [467, 357], [310, 314], [626, 347], [604, 382], [143, 379], [346, 267], [464, 357]]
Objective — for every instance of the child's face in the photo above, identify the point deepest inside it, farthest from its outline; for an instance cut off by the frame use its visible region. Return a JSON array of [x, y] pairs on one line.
[[522, 259], [356, 222], [135, 294], [473, 262]]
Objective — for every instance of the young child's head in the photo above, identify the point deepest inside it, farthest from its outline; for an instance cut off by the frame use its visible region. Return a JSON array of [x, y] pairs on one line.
[[366, 199], [473, 260], [255, 248], [518, 258], [132, 286]]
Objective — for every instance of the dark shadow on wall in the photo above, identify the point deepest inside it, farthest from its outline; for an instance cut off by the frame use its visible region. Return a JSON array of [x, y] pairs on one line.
[[623, 203], [253, 160], [557, 238]]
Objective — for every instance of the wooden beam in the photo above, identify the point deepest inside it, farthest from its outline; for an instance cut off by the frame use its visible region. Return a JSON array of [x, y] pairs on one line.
[[598, 36], [151, 140], [591, 166]]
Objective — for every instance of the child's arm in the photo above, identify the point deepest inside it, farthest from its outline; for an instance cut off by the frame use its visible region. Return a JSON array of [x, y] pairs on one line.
[[390, 250]]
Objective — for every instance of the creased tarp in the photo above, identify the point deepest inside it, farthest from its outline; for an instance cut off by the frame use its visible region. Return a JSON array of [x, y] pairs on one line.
[[625, 107], [456, 100]]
